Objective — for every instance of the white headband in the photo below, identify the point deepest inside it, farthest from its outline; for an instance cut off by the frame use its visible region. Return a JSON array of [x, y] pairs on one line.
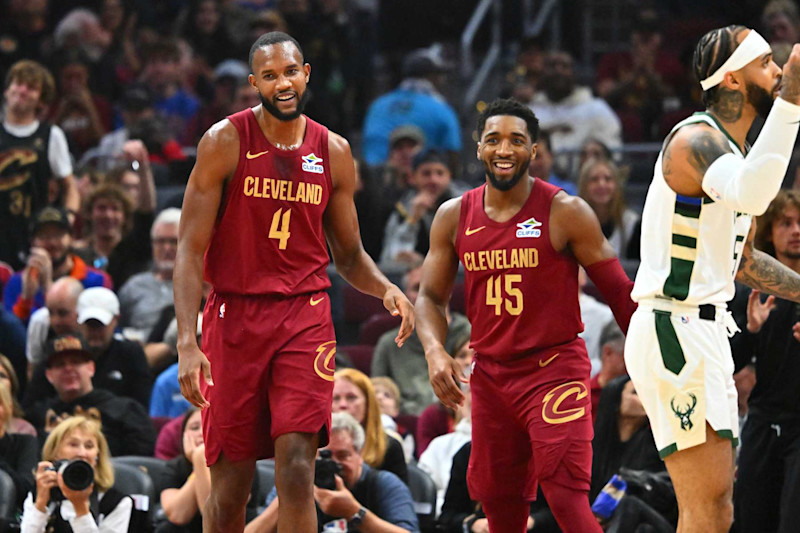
[[753, 47]]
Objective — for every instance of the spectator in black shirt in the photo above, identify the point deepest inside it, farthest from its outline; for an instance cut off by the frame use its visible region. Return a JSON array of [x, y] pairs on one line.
[[768, 485]]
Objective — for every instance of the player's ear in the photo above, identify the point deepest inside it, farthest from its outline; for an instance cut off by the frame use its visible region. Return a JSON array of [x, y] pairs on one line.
[[534, 146], [307, 68]]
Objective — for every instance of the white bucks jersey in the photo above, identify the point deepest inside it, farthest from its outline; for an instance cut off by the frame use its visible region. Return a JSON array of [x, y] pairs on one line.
[[691, 247]]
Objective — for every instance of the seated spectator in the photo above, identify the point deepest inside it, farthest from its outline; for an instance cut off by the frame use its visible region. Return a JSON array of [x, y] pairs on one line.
[[367, 499], [136, 105], [405, 240], [781, 22], [145, 294], [59, 317], [70, 368], [542, 166], [117, 239], [636, 83], [388, 396], [384, 184], [186, 480], [601, 185], [16, 424], [570, 113], [135, 176], [612, 344], [204, 28], [416, 101], [50, 259], [81, 438], [622, 439], [593, 149], [437, 459], [353, 394], [120, 365], [12, 345], [169, 443], [18, 453]]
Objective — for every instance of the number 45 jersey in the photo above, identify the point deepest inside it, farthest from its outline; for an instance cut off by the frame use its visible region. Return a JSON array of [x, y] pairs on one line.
[[521, 294], [268, 237]]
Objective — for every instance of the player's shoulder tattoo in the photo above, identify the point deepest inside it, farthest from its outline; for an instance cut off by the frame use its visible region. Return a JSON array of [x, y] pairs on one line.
[[706, 146]]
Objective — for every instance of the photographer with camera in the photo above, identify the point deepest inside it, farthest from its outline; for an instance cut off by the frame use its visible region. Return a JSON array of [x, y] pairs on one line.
[[74, 484], [350, 495]]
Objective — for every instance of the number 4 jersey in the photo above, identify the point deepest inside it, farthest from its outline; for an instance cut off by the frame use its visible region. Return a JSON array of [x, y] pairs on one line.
[[521, 294], [268, 238]]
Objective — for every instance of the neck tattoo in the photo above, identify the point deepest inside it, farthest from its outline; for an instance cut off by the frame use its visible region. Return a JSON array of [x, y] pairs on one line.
[[288, 147]]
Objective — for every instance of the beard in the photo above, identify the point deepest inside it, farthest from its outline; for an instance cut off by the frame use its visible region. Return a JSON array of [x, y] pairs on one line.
[[506, 185], [57, 262], [760, 99], [280, 115]]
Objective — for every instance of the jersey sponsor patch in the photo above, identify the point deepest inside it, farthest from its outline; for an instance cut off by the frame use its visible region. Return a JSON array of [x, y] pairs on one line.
[[529, 229], [312, 163]]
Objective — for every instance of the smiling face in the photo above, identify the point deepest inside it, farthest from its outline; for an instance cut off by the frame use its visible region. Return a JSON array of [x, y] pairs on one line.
[[600, 185], [280, 76], [79, 444], [506, 150]]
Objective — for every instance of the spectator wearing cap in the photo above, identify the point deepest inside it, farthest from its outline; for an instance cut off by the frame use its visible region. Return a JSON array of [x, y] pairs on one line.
[[35, 152], [145, 295], [406, 241], [70, 368], [383, 185], [137, 105], [50, 258], [415, 101]]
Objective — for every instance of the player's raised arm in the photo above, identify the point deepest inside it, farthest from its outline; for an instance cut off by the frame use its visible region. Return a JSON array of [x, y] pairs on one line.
[[438, 273], [344, 239], [574, 225], [217, 157]]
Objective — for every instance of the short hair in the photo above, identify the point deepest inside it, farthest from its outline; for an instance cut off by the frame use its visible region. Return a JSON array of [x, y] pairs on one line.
[[612, 334], [763, 239], [509, 106], [170, 215], [268, 39], [36, 74], [103, 470], [114, 192], [429, 156], [387, 383], [342, 421], [164, 48], [711, 52]]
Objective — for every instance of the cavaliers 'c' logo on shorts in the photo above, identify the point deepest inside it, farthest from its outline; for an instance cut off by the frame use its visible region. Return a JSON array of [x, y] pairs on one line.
[[324, 364], [553, 409]]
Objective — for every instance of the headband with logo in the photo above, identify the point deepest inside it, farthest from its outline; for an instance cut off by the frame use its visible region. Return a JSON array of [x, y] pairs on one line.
[[753, 47]]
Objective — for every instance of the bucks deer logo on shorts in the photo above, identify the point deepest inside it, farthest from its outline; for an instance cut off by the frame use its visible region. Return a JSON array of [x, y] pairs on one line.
[[324, 362], [684, 411]]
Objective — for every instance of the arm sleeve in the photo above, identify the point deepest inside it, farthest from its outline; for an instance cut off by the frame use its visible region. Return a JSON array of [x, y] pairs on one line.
[[615, 286], [58, 153], [750, 185], [33, 520]]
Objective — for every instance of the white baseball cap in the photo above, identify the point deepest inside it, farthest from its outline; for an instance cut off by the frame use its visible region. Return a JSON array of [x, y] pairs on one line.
[[97, 303]]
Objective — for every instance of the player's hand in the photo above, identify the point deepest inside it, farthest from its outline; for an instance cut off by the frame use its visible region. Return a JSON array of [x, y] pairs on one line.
[[191, 362], [444, 373], [339, 503], [396, 302], [790, 83], [758, 312]]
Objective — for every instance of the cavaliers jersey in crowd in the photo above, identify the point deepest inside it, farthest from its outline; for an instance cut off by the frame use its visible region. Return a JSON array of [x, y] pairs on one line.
[[521, 294], [24, 173], [268, 238]]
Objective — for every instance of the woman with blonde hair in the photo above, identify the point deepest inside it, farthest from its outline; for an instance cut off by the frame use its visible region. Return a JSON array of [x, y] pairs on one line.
[[76, 438], [601, 185], [18, 453], [353, 393], [16, 424]]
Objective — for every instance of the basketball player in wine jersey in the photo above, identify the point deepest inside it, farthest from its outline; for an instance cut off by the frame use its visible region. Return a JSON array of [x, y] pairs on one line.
[[521, 241], [270, 188]]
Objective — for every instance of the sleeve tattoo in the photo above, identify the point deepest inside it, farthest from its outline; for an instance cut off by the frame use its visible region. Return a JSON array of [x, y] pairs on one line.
[[766, 274]]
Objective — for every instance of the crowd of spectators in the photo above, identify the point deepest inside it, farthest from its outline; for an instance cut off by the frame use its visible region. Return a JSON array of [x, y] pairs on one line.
[[104, 102]]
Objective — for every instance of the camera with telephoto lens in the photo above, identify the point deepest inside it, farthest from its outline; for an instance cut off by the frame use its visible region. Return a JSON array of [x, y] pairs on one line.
[[325, 469], [77, 475]]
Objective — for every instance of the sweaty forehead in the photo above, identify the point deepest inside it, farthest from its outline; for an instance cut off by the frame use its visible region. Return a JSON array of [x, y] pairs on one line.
[[275, 55]]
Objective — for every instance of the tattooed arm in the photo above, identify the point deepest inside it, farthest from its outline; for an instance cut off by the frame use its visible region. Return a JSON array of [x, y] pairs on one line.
[[763, 272], [688, 154]]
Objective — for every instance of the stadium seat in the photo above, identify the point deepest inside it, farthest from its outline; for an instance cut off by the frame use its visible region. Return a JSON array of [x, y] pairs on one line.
[[360, 355], [376, 326], [423, 492], [8, 497], [358, 307], [135, 481]]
